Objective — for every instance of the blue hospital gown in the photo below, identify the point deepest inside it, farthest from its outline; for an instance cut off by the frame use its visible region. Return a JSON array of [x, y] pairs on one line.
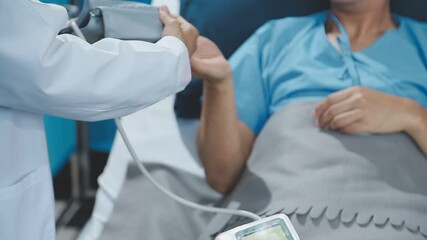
[[292, 59]]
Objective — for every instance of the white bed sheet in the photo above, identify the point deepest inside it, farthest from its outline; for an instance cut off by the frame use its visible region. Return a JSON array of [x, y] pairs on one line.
[[157, 137]]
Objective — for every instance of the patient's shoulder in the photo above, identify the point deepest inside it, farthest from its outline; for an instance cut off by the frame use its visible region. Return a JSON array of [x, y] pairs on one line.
[[417, 28], [411, 22], [291, 28], [301, 21], [416, 32]]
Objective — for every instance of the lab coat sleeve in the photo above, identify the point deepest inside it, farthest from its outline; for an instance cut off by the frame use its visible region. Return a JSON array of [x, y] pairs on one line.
[[64, 76]]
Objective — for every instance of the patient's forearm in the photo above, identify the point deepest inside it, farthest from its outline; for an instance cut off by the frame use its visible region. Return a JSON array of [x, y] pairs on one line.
[[223, 143]]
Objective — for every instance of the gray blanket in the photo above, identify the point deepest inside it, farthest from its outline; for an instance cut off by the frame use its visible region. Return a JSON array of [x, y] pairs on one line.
[[359, 185], [143, 212]]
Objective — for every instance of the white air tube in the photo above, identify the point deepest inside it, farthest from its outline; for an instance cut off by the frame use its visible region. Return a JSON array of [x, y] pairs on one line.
[[172, 195], [76, 29]]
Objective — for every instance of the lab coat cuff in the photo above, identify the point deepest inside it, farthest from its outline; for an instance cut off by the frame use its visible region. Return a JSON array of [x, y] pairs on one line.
[[177, 44], [173, 43]]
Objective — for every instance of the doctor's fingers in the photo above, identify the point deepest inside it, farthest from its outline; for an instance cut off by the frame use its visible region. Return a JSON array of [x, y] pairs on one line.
[[188, 27], [172, 26], [191, 34], [178, 27], [166, 17], [333, 110]]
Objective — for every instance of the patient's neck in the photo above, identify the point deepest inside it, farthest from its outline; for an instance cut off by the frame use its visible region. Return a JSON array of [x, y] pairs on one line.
[[364, 20]]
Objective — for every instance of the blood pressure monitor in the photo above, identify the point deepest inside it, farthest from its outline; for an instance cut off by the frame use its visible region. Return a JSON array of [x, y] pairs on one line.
[[277, 227]]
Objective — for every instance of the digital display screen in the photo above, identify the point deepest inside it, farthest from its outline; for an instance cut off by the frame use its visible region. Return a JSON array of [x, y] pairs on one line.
[[274, 229], [272, 233]]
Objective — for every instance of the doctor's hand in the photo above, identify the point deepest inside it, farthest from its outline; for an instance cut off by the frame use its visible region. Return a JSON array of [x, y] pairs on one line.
[[209, 64], [362, 110], [177, 26]]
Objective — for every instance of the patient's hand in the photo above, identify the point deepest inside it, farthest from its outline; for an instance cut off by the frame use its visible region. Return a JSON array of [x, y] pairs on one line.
[[209, 63], [363, 110]]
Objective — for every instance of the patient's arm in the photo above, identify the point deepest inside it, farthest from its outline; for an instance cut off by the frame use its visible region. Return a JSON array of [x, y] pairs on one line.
[[363, 110], [224, 142]]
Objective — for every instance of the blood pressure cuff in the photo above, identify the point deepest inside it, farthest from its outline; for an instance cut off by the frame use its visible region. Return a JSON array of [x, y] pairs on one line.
[[125, 20]]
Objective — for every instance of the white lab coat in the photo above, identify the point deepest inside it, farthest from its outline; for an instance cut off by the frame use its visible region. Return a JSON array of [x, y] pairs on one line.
[[42, 73]]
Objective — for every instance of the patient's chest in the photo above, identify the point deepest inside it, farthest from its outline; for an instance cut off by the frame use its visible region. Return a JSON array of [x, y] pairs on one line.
[[313, 68]]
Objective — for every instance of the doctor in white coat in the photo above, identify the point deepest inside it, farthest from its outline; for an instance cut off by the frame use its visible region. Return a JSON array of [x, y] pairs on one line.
[[43, 73]]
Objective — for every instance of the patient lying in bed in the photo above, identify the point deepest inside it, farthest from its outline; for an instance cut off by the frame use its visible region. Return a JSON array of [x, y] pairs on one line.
[[324, 118]]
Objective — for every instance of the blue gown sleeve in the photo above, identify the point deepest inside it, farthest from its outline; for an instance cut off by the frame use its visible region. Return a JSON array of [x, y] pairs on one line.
[[252, 97]]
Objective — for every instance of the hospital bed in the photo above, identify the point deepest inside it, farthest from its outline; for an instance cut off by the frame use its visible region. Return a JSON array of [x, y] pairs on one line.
[[163, 140]]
